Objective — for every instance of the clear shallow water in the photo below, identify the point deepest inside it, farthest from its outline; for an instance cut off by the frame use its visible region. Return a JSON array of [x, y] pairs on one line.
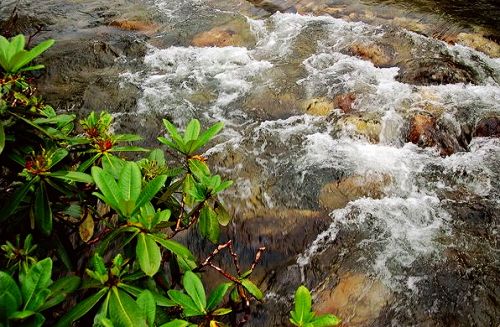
[[427, 223]]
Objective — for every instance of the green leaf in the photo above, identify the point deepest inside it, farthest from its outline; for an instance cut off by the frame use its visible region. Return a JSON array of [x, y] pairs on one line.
[[60, 289], [36, 280], [194, 288], [189, 307], [198, 169], [169, 143], [222, 186], [147, 305], [81, 309], [174, 247], [192, 130], [21, 315], [56, 156], [10, 296], [158, 156], [217, 295], [72, 176], [174, 134], [208, 224], [127, 137], [150, 191], [176, 323], [123, 310], [148, 253], [222, 215], [2, 138], [43, 213], [130, 181], [206, 136], [161, 300], [222, 311], [14, 202], [108, 187], [252, 289], [327, 320], [302, 305], [27, 57], [89, 162], [128, 148]]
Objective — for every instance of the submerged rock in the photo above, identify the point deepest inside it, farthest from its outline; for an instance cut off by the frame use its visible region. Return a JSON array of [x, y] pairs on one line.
[[364, 126], [338, 194], [318, 106], [235, 33], [358, 299], [488, 127]]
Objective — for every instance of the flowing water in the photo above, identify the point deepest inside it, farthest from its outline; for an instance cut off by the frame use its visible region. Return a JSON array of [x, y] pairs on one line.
[[358, 140], [384, 231]]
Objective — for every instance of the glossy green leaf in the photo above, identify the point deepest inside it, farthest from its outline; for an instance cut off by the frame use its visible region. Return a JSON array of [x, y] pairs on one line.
[[174, 134], [60, 289], [10, 296], [194, 288], [208, 224], [35, 281], [222, 311], [42, 210], [174, 247], [157, 155], [327, 320], [89, 162], [25, 58], [176, 323], [21, 315], [124, 311], [108, 187], [72, 176], [56, 156], [130, 181], [188, 306], [252, 289], [192, 130], [198, 168], [161, 300], [206, 136], [222, 215], [147, 305], [149, 191], [148, 254], [81, 309], [217, 295]]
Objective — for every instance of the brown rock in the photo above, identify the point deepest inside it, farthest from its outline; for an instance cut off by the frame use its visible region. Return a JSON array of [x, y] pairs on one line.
[[338, 194], [345, 101], [480, 43], [135, 25], [488, 127], [234, 33], [361, 126], [319, 106], [423, 130], [372, 52], [357, 299]]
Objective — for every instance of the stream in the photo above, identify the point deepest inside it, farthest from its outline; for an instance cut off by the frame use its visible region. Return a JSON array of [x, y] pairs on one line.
[[362, 136]]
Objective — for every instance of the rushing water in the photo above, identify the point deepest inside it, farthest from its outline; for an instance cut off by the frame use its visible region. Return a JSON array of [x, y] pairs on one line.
[[412, 239], [351, 137]]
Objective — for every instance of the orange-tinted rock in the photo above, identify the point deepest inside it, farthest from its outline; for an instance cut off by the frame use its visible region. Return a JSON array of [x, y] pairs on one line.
[[319, 107], [479, 43], [135, 25], [357, 299], [423, 130], [345, 101], [488, 127], [372, 52], [338, 194], [234, 33], [367, 127]]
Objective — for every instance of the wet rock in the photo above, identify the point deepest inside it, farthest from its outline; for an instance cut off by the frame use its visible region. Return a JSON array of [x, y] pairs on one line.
[[488, 127], [234, 33], [318, 107], [338, 194], [426, 131], [270, 105], [480, 43], [135, 25], [366, 127], [357, 298], [345, 101], [273, 6], [430, 71], [379, 56]]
